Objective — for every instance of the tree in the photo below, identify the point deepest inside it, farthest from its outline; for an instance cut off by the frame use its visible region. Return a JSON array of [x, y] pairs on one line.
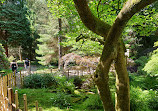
[[44, 25], [4, 63], [113, 51], [15, 26]]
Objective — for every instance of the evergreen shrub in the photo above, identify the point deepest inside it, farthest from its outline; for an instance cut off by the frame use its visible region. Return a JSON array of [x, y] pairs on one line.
[[40, 81]]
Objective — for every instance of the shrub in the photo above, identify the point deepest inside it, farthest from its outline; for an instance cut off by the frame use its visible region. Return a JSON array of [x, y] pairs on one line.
[[143, 100], [40, 81], [65, 85], [77, 82], [93, 102], [153, 100]]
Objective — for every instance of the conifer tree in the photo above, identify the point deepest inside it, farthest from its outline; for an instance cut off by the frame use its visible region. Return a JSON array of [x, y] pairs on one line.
[[15, 24]]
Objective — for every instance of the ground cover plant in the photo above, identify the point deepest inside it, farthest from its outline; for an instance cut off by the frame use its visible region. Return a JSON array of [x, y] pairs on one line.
[[62, 94]]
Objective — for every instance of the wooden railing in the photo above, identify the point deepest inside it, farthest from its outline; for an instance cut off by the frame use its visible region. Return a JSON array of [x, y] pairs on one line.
[[8, 99]]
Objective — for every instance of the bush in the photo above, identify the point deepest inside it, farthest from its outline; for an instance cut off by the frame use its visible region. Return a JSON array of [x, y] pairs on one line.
[[77, 82], [143, 100], [40, 81], [93, 102], [153, 100], [65, 85]]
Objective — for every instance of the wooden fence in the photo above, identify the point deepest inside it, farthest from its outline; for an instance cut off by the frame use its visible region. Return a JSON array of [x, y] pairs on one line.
[[8, 99]]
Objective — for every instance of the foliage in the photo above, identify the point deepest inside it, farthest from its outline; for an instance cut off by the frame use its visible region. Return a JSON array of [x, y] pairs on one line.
[[139, 33], [93, 102], [61, 83], [43, 96], [143, 100], [65, 85], [73, 28], [152, 66], [61, 100], [104, 10], [40, 81], [4, 63], [46, 27], [14, 23], [11, 58], [140, 63], [17, 28], [144, 82], [2, 1]]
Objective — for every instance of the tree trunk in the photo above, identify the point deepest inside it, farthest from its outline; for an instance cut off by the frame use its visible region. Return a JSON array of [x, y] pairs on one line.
[[20, 54], [59, 43], [6, 49], [101, 80], [113, 51], [122, 96]]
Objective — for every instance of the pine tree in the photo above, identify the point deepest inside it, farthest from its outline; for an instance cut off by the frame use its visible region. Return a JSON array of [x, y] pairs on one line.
[[14, 23]]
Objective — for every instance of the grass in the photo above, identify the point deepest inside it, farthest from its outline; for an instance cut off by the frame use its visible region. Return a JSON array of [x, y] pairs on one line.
[[59, 101], [52, 100]]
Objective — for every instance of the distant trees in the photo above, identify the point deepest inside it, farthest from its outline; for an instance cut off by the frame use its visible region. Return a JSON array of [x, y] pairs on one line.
[[46, 27], [14, 25]]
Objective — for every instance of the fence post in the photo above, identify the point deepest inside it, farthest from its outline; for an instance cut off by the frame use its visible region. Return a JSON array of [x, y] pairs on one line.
[[25, 102], [14, 79], [5, 85], [21, 79], [11, 99], [8, 80], [51, 70], [36, 105], [16, 100], [68, 73], [0, 91], [40, 108]]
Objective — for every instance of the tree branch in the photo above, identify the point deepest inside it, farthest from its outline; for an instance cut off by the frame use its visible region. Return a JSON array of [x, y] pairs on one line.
[[98, 7], [81, 36], [90, 21], [130, 8]]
